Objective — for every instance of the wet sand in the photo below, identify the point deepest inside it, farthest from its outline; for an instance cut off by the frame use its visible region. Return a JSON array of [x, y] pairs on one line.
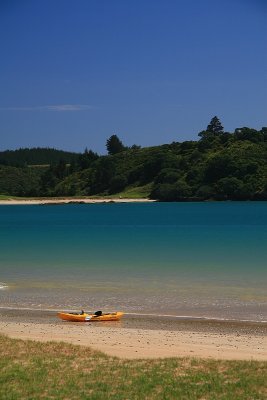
[[137, 336]]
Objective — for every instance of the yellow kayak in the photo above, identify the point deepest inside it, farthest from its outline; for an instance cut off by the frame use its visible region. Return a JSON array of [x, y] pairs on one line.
[[84, 317]]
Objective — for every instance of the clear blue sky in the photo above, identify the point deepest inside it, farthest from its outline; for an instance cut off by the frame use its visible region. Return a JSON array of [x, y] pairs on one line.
[[73, 72]]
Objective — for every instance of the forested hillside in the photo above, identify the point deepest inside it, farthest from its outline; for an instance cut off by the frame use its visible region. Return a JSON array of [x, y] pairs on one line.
[[35, 156], [219, 166]]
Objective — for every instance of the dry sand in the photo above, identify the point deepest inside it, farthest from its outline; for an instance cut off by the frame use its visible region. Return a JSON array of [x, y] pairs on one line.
[[116, 339], [67, 200]]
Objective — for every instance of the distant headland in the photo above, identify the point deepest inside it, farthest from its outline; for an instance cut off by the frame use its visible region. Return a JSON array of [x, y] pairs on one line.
[[219, 166]]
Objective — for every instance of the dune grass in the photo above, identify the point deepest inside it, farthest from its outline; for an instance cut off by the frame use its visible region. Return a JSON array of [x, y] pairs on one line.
[[35, 370]]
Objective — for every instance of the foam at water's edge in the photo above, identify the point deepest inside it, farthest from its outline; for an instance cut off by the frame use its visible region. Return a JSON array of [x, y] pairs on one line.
[[3, 286]]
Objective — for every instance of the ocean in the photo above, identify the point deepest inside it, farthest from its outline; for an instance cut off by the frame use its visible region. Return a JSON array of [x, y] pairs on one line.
[[200, 260]]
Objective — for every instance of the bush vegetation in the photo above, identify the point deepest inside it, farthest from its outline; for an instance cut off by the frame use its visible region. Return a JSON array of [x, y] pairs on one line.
[[219, 166]]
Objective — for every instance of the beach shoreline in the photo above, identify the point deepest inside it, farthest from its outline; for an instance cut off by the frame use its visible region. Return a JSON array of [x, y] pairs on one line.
[[139, 337], [70, 200]]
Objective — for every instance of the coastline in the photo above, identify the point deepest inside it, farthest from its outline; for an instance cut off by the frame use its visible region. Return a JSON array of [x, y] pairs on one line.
[[140, 337], [70, 200]]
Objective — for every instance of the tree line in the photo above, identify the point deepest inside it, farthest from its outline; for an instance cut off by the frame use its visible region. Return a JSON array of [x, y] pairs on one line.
[[219, 166]]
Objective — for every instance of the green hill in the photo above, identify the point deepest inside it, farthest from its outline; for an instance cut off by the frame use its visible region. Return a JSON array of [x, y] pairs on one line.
[[220, 166]]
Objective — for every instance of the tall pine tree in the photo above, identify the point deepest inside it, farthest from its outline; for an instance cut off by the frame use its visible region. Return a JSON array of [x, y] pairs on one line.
[[215, 126], [114, 145]]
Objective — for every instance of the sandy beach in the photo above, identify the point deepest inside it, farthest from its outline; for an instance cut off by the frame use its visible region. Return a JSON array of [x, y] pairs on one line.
[[69, 200], [139, 337]]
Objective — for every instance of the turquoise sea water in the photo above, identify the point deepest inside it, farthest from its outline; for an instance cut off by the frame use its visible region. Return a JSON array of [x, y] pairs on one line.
[[185, 259]]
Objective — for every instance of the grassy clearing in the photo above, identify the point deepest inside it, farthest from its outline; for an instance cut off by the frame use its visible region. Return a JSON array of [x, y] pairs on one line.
[[34, 370], [135, 192], [8, 197]]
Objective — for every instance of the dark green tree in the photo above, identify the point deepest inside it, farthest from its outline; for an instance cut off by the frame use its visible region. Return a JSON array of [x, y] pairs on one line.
[[205, 192], [230, 187], [214, 129], [168, 175], [114, 145], [171, 191], [60, 170], [249, 134], [264, 132], [215, 126], [19, 181], [104, 171], [48, 182], [87, 158], [218, 166], [117, 183]]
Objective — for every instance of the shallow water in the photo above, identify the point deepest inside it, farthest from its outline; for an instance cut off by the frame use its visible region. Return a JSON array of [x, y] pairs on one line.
[[190, 259]]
